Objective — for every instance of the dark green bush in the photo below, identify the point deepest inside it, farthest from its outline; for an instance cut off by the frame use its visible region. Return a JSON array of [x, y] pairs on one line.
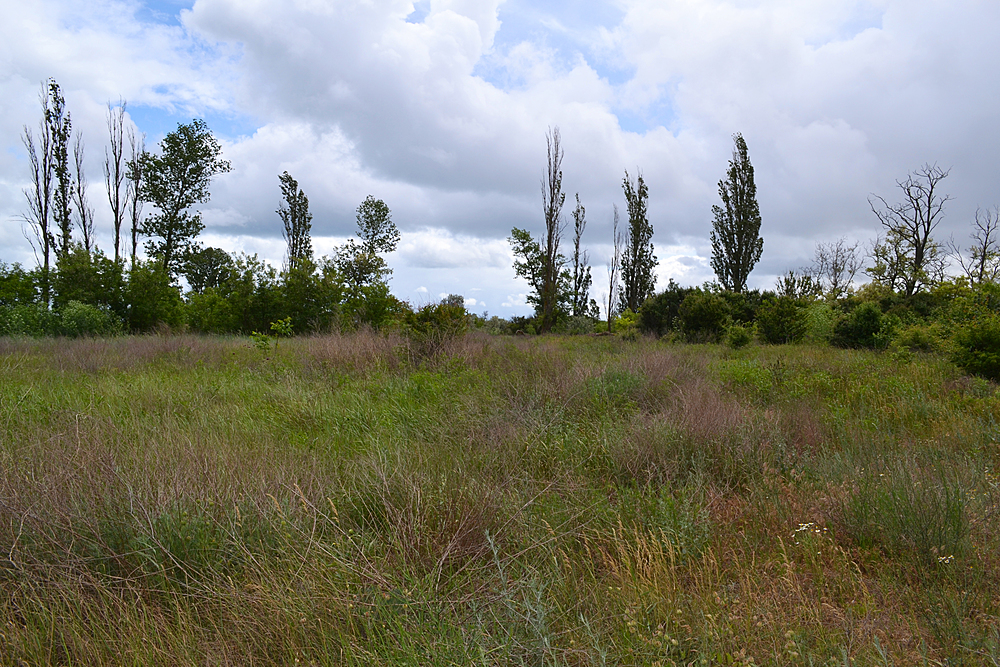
[[781, 320], [703, 316], [659, 314], [977, 347], [860, 328]]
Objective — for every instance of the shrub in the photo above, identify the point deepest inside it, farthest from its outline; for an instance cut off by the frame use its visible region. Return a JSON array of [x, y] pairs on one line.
[[432, 325], [739, 335], [81, 319], [626, 325], [659, 313], [819, 321], [919, 338], [860, 328], [578, 325], [28, 320], [210, 312], [781, 321], [977, 347], [703, 316]]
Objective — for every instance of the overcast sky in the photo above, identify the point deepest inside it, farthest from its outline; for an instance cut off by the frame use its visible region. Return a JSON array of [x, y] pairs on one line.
[[440, 108]]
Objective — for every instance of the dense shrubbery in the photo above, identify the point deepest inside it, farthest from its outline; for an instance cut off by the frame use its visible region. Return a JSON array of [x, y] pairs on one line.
[[977, 346], [781, 320], [703, 316], [860, 328]]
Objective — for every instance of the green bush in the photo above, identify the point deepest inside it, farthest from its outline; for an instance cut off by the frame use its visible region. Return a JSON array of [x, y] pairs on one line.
[[739, 335], [82, 319], [626, 325], [860, 328], [977, 347], [210, 312], [819, 321], [919, 338], [152, 299], [781, 321], [28, 320], [659, 314], [578, 325], [703, 316]]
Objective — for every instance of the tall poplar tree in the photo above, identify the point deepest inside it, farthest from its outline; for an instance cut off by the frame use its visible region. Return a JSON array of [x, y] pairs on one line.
[[581, 301], [638, 260], [39, 195], [296, 221], [60, 129], [736, 241]]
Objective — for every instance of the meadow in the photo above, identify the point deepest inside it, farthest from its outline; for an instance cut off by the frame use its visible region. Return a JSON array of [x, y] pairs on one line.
[[363, 499]]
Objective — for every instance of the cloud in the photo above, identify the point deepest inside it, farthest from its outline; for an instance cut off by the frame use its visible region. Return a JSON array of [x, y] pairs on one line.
[[441, 108]]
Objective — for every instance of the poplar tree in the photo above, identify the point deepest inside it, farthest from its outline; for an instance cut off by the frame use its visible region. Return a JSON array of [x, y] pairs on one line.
[[582, 305], [60, 129], [638, 261], [296, 220], [115, 171], [736, 241], [39, 195]]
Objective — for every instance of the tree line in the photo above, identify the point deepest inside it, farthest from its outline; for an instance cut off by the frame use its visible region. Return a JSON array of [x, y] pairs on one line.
[[76, 288], [152, 196]]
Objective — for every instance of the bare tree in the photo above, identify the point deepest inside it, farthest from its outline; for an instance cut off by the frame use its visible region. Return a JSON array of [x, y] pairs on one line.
[[552, 203], [84, 212], [908, 258], [614, 268], [115, 171], [835, 265], [38, 217], [983, 263], [133, 186]]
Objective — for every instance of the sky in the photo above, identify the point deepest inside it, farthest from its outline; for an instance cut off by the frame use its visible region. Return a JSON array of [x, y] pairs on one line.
[[441, 107]]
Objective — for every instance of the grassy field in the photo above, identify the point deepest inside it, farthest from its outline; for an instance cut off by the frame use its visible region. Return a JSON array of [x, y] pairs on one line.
[[359, 500]]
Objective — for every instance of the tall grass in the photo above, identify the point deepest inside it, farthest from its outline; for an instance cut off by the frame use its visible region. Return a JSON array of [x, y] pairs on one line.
[[500, 501]]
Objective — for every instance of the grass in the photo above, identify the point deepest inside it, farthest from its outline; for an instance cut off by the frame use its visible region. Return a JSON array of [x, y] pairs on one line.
[[350, 500]]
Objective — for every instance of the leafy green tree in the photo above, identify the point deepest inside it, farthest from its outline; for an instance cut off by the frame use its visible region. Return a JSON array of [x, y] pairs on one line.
[[89, 278], [736, 241], [638, 261], [207, 268], [311, 295], [173, 182], [529, 263], [17, 286], [151, 299], [296, 220], [363, 270]]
